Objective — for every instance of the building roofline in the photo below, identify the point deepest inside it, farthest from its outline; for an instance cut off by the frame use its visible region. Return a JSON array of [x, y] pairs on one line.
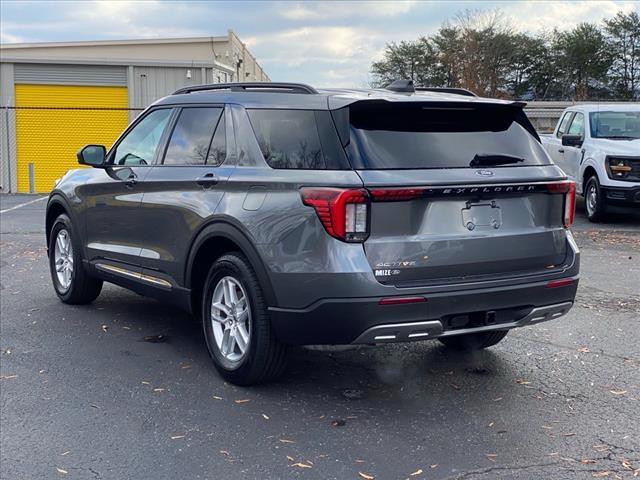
[[140, 41], [120, 62]]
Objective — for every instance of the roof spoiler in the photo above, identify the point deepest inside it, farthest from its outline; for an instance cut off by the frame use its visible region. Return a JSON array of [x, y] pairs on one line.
[[271, 87]]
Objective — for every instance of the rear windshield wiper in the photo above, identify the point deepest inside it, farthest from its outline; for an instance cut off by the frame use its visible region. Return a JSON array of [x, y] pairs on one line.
[[494, 159]]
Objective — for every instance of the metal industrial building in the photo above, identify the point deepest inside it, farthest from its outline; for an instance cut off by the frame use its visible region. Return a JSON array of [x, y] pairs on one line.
[[57, 97]]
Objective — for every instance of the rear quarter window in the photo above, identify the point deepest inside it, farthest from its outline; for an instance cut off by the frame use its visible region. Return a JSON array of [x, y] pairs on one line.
[[298, 139]]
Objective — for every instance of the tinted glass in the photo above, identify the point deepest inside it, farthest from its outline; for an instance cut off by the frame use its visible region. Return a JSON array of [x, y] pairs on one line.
[[617, 125], [577, 126], [140, 144], [218, 149], [419, 136], [564, 124], [288, 138], [191, 137]]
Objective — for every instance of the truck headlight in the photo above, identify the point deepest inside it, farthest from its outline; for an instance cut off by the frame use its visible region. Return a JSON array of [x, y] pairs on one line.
[[619, 167]]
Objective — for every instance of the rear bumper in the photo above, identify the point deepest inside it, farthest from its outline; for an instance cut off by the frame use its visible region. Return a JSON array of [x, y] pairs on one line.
[[622, 196], [361, 320]]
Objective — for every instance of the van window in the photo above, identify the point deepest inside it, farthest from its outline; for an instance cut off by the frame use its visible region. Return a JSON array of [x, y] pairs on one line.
[[562, 129]]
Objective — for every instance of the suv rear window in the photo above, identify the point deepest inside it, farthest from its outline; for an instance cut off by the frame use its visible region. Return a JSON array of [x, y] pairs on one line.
[[418, 136], [298, 139]]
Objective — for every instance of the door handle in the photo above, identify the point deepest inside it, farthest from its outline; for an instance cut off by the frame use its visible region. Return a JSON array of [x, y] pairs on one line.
[[561, 150], [207, 180]]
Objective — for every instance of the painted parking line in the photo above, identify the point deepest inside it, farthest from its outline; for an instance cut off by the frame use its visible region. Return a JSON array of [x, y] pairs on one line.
[[23, 204]]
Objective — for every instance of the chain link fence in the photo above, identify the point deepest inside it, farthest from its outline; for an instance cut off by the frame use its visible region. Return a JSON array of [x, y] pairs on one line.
[[39, 143]]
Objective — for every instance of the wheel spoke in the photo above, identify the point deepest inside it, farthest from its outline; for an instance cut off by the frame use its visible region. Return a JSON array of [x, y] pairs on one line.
[[59, 265], [228, 342], [244, 315], [60, 243], [242, 338], [233, 296], [221, 307]]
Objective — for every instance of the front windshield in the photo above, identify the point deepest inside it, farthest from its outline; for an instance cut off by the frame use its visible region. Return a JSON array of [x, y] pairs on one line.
[[615, 125]]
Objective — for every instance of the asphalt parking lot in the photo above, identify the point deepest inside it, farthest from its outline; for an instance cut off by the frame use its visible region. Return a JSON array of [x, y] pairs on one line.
[[84, 395]]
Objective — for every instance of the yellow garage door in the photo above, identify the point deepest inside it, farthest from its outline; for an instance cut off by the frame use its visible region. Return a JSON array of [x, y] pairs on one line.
[[53, 122]]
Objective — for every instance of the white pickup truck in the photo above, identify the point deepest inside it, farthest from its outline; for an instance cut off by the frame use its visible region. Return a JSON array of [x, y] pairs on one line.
[[598, 146]]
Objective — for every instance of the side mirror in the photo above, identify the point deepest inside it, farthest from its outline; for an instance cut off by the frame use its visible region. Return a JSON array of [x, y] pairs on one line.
[[92, 155], [572, 140]]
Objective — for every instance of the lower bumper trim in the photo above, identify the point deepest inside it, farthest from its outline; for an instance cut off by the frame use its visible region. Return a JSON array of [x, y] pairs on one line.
[[411, 331]]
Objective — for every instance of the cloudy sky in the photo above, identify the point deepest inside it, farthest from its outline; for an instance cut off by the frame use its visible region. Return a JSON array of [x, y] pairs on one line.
[[323, 43]]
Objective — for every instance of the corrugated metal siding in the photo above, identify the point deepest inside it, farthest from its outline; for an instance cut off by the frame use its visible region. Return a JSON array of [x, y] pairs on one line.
[[54, 121], [152, 83], [70, 74]]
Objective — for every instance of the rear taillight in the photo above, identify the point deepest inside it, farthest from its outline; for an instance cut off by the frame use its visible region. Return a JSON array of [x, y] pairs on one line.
[[344, 213], [569, 189]]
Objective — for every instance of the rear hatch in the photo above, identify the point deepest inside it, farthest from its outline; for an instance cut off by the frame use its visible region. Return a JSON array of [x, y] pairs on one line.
[[458, 192]]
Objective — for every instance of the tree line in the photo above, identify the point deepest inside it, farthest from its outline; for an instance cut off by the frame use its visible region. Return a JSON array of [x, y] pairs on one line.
[[481, 51]]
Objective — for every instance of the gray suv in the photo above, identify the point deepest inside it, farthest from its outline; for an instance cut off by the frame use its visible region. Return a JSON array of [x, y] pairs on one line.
[[279, 214]]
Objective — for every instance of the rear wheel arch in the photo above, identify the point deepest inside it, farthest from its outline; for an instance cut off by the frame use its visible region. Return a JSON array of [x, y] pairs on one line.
[[213, 241]]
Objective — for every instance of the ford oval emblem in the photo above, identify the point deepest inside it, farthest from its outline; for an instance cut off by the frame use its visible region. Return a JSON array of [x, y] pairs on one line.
[[485, 173]]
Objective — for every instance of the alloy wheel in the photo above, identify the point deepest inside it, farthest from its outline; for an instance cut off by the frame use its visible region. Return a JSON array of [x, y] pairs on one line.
[[231, 319], [592, 199], [63, 259]]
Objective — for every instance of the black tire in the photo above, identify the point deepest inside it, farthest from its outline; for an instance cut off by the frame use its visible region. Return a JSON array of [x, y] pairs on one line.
[[83, 288], [594, 200], [265, 357], [474, 341]]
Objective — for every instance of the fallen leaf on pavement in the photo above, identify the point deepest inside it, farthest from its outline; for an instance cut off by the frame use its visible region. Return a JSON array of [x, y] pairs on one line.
[[618, 392], [491, 457], [266, 417], [300, 465], [587, 461], [224, 452], [435, 465], [244, 400], [366, 476], [571, 434], [290, 458], [602, 474], [62, 471], [285, 440], [216, 397], [158, 389], [523, 382], [417, 472], [176, 437], [66, 453], [584, 350]]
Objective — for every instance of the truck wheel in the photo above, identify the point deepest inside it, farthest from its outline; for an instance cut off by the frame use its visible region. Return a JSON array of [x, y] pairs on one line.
[[474, 341], [236, 324], [70, 280], [594, 200]]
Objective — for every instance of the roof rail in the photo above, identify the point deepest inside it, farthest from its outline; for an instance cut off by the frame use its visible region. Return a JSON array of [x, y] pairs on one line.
[[457, 91], [272, 87]]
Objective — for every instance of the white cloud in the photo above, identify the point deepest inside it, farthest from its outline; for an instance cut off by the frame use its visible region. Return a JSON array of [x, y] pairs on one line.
[[337, 10], [534, 16]]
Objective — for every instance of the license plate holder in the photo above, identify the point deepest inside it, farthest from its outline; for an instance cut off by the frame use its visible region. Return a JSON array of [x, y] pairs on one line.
[[482, 215]]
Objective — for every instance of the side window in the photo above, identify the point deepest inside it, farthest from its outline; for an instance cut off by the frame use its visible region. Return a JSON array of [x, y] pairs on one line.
[[139, 146], [192, 136], [562, 129], [577, 126], [288, 138]]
